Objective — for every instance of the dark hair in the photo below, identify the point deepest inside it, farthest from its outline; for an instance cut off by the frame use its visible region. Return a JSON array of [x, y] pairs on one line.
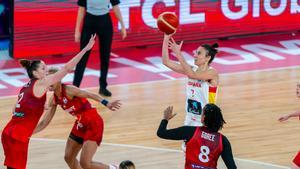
[[211, 50], [126, 164], [213, 118], [30, 66]]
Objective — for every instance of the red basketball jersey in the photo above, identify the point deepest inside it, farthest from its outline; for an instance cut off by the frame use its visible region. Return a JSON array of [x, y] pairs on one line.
[[27, 113], [203, 150], [73, 106]]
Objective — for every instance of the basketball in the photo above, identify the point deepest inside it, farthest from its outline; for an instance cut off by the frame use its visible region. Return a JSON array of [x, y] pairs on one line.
[[167, 22]]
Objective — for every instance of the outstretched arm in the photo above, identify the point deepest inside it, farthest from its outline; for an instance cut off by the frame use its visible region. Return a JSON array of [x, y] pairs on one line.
[[75, 91], [68, 67], [46, 118], [187, 69], [166, 59], [287, 116], [180, 133]]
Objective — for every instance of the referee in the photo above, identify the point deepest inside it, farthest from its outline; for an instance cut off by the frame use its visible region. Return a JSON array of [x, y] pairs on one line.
[[93, 17]]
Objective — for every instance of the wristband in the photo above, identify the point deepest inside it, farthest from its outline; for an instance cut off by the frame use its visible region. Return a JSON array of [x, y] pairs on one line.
[[104, 102]]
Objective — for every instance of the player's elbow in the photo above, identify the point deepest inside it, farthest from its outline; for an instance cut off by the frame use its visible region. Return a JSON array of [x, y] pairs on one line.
[[160, 133]]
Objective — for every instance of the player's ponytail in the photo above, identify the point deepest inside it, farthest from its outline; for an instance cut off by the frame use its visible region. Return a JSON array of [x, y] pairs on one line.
[[215, 45], [25, 63], [211, 51], [213, 118], [30, 66]]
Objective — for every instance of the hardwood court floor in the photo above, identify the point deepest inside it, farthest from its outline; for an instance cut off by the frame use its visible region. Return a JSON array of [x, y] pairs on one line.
[[251, 103]]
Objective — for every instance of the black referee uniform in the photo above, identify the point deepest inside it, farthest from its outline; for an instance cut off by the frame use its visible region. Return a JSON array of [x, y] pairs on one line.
[[97, 20]]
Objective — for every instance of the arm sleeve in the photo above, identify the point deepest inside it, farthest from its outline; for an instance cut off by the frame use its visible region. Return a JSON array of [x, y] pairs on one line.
[[115, 2], [81, 3], [180, 133], [227, 154]]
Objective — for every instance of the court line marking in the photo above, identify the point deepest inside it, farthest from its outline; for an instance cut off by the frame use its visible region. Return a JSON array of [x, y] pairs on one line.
[[159, 149], [172, 150], [170, 78]]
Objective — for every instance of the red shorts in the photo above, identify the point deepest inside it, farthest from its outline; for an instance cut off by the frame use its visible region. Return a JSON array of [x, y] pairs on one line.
[[89, 126], [297, 159], [15, 152]]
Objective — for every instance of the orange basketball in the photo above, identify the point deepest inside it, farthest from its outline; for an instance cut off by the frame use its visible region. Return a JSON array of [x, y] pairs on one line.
[[167, 22]]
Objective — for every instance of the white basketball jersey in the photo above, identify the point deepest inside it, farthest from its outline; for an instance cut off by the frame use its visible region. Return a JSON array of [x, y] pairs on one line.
[[198, 94]]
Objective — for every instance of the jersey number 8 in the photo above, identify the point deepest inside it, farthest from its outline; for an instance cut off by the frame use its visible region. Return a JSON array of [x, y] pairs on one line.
[[204, 152]]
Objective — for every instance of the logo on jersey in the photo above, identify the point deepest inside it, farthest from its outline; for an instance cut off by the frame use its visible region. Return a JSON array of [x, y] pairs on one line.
[[18, 114], [65, 100], [199, 167], [194, 84], [194, 107]]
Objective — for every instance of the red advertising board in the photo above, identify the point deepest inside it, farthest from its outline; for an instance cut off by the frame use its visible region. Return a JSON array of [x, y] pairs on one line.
[[46, 27]]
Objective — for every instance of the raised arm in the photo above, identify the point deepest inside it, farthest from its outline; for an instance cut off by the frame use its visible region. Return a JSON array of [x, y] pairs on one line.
[[46, 118], [166, 59], [118, 14], [180, 133], [287, 116], [41, 86], [68, 67], [187, 69], [80, 16], [75, 91]]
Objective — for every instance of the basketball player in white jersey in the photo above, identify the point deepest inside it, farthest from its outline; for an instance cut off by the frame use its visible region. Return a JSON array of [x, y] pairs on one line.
[[202, 81]]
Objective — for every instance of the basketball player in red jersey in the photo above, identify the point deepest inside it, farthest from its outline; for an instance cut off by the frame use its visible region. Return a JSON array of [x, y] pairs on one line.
[[87, 131], [30, 106], [296, 161], [204, 144]]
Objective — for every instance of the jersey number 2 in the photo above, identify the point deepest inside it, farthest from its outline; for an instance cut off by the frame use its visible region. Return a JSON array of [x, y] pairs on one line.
[[204, 152], [21, 95]]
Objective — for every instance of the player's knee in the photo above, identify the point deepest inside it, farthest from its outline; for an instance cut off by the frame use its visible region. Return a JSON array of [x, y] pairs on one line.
[[68, 158], [85, 164]]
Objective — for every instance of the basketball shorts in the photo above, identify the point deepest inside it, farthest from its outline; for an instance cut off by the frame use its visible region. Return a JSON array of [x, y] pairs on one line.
[[297, 159], [15, 152], [88, 127]]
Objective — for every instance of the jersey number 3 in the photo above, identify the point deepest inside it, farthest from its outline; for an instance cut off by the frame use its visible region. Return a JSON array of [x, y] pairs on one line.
[[204, 152]]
